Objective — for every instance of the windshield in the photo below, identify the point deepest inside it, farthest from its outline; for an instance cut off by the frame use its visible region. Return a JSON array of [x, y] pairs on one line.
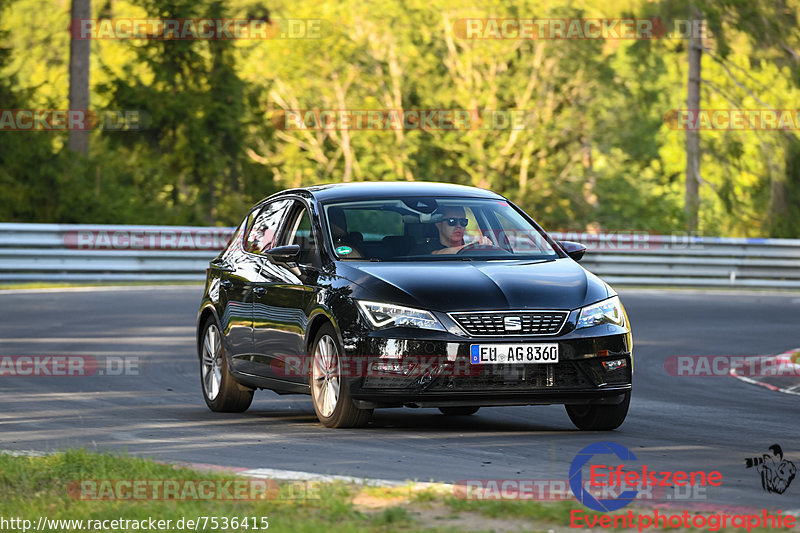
[[425, 228]]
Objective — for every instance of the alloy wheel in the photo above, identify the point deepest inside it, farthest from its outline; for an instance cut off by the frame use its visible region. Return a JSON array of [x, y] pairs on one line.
[[212, 362], [326, 375]]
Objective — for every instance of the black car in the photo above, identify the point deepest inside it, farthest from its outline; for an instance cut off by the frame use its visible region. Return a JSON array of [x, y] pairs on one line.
[[386, 294]]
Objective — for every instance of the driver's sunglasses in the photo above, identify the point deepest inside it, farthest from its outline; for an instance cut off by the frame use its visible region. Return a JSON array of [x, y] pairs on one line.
[[452, 221]]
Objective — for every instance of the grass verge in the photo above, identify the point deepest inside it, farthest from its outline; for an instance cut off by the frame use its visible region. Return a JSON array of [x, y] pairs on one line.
[[81, 486]]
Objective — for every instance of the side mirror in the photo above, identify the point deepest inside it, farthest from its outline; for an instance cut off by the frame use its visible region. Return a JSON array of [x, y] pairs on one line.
[[574, 249], [283, 254]]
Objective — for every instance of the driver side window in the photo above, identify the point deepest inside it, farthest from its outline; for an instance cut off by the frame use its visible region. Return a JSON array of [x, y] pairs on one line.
[[263, 233], [301, 233]]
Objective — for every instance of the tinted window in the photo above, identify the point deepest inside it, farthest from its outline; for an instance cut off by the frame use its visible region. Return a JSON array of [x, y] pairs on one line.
[[263, 232], [302, 234], [374, 224], [433, 229]]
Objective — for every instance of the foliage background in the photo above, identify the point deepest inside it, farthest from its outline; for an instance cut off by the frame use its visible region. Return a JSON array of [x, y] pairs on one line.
[[598, 154]]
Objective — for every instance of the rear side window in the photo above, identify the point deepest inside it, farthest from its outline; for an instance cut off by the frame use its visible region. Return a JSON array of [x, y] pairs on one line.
[[263, 232]]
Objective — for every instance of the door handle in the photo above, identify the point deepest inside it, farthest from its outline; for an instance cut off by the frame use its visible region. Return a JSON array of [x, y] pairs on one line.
[[226, 284], [259, 291]]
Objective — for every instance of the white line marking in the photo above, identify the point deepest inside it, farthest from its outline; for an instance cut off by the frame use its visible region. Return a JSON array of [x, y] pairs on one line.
[[296, 475], [24, 453]]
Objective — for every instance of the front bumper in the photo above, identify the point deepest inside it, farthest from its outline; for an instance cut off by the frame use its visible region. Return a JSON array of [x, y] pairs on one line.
[[416, 368]]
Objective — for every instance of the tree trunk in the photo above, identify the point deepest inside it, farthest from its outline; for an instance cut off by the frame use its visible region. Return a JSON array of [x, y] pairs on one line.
[[79, 76], [692, 201]]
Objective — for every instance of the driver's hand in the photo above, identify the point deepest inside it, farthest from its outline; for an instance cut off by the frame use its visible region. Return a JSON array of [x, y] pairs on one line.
[[485, 241]]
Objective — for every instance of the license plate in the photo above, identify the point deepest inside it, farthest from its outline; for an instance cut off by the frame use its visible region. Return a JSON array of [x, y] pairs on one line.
[[500, 354]]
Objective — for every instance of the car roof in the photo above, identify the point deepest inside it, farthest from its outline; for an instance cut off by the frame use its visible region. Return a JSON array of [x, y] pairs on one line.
[[375, 189]]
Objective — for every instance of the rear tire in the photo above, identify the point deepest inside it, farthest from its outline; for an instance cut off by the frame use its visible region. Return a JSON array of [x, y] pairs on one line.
[[329, 388], [599, 417], [221, 392], [458, 411]]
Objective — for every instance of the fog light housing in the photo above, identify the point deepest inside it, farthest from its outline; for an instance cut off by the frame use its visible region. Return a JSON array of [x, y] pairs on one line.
[[396, 367], [615, 364]]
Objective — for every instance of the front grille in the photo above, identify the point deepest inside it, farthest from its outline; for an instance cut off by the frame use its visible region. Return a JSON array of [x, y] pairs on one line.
[[563, 375], [586, 374], [495, 323]]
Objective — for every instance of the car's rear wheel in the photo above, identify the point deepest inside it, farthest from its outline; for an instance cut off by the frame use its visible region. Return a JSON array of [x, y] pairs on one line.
[[220, 390], [459, 411], [599, 417], [329, 392]]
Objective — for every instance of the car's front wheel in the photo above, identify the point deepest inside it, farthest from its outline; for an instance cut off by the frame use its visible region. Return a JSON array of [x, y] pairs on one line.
[[599, 417], [220, 390], [332, 402]]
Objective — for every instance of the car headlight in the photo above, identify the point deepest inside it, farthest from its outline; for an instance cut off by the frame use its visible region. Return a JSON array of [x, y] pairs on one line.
[[386, 315], [605, 312]]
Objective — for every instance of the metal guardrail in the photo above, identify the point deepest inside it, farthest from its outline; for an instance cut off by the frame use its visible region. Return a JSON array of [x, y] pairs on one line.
[[61, 252], [694, 261], [82, 252]]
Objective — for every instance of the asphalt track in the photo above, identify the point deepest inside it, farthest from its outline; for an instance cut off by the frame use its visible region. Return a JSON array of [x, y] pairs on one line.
[[675, 423]]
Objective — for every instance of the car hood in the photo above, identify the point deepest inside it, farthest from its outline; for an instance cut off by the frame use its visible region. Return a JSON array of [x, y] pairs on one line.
[[478, 285]]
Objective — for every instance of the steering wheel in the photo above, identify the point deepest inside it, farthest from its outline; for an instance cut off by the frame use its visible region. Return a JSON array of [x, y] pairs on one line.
[[475, 247]]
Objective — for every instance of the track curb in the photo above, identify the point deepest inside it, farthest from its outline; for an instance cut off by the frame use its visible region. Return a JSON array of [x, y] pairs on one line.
[[789, 383]]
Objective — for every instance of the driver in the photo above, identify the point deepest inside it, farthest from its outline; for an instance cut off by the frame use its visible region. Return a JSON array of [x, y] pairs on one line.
[[451, 231]]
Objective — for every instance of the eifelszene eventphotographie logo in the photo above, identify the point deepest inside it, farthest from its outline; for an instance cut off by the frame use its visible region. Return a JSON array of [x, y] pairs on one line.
[[623, 483], [576, 476]]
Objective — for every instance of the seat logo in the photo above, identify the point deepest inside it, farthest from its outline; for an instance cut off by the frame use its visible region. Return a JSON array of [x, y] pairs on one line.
[[512, 323]]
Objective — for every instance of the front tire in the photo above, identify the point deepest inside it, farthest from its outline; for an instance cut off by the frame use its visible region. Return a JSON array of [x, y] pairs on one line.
[[220, 391], [329, 392], [599, 417]]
